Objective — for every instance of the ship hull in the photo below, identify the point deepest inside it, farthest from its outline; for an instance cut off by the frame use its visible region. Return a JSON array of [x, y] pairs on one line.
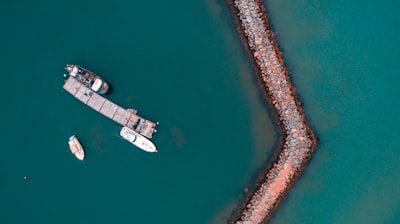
[[88, 78], [76, 148], [104, 88], [137, 140]]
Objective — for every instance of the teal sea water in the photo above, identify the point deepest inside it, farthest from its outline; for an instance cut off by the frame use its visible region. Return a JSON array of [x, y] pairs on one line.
[[176, 62], [180, 63], [343, 56]]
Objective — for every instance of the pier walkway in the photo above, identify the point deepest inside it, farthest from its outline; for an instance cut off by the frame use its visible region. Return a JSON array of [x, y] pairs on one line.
[[124, 117]]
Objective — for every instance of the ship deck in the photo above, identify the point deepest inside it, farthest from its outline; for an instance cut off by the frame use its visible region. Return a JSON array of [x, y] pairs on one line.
[[124, 117]]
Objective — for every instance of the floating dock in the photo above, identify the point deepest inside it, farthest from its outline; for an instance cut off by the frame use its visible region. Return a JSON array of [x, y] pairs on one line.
[[124, 117]]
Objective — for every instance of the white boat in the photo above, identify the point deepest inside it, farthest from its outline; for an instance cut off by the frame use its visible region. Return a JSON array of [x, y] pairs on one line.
[[137, 139], [76, 147], [88, 78]]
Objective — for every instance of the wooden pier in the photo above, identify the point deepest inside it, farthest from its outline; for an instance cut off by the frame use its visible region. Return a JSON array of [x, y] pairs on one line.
[[124, 117]]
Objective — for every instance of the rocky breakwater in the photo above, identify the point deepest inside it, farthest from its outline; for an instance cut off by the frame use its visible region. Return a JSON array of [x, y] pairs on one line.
[[298, 141]]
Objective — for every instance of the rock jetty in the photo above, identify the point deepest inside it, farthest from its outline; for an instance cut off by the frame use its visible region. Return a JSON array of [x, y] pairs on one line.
[[298, 140]]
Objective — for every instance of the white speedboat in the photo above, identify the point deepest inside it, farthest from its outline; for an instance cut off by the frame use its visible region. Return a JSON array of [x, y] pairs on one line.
[[76, 147], [137, 139]]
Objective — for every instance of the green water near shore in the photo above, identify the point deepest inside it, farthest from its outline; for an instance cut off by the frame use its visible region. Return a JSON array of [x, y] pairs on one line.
[[343, 56], [177, 62]]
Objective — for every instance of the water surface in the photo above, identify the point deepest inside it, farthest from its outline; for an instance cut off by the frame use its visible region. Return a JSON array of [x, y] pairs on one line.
[[343, 57], [176, 62]]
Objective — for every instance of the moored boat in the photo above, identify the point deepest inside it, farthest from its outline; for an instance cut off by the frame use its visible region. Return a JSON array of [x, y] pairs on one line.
[[137, 140], [76, 147], [88, 78]]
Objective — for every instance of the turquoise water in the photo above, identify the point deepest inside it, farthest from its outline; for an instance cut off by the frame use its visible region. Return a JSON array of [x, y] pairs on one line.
[[343, 56], [177, 62], [180, 63]]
